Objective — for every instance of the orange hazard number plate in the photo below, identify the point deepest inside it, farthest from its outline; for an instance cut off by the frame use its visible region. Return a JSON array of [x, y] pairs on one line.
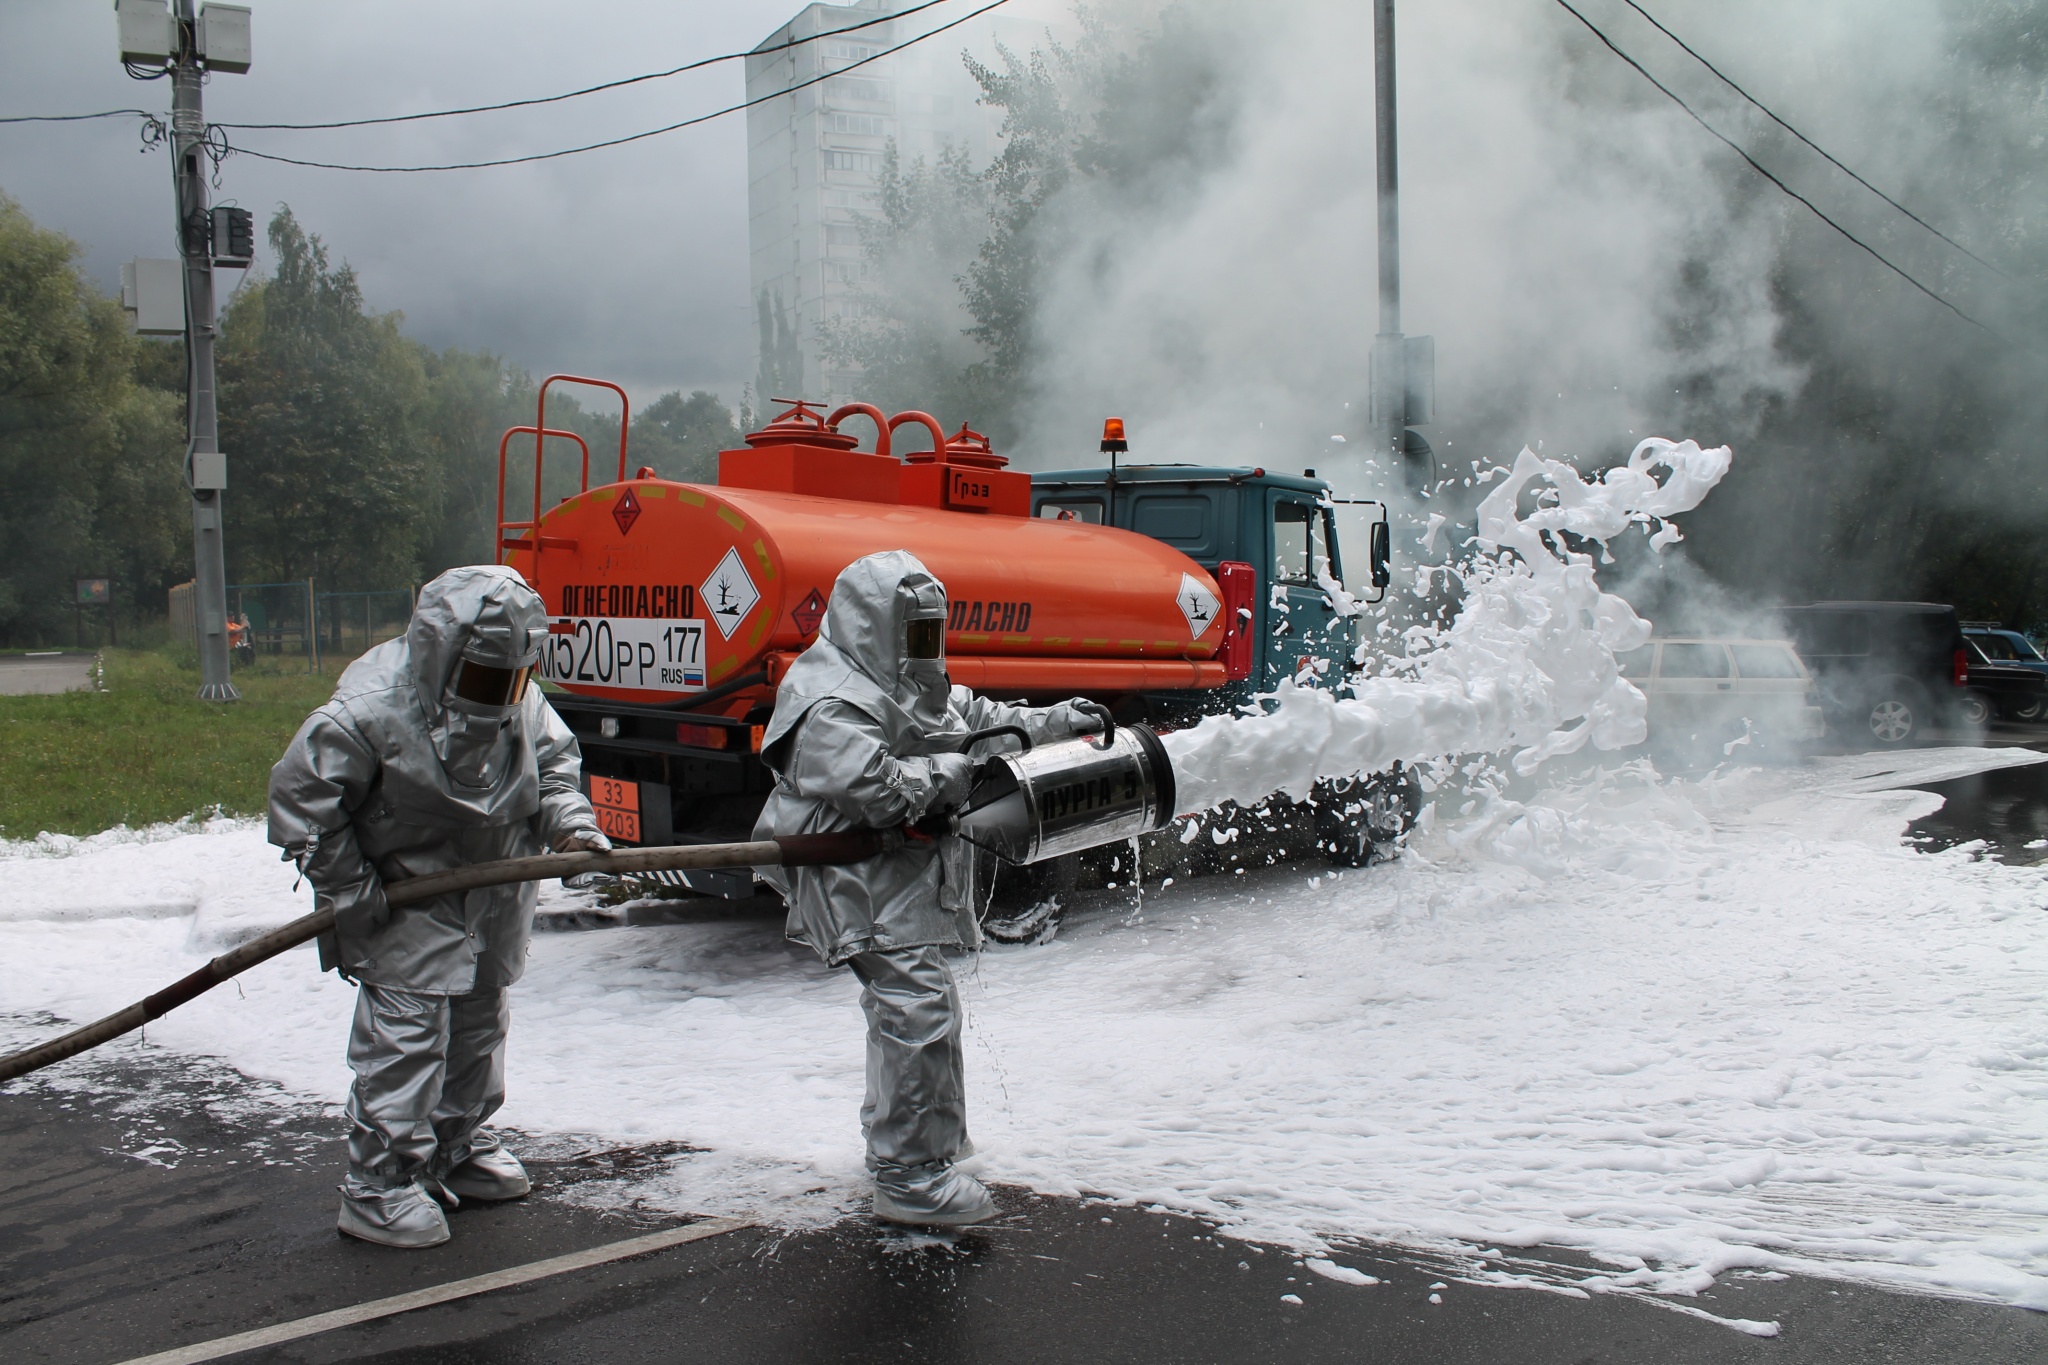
[[618, 808]]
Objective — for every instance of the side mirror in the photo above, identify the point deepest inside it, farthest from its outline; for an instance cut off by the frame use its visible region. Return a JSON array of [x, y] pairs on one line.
[[1382, 553]]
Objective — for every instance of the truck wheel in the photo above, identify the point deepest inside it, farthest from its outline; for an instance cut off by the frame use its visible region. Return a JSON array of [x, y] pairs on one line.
[[1975, 709], [1895, 713], [1360, 821], [2030, 711], [1027, 900]]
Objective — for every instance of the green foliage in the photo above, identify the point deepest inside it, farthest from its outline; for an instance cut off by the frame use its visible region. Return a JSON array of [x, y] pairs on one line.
[[89, 459], [322, 408], [782, 362], [1118, 122], [143, 751], [356, 456], [679, 438], [913, 343]]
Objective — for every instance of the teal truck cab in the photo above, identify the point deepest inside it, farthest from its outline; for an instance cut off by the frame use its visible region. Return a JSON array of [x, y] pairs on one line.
[[1288, 550]]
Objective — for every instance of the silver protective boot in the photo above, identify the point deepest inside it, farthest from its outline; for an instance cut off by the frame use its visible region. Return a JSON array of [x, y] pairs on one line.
[[403, 1216], [485, 1171], [942, 1197]]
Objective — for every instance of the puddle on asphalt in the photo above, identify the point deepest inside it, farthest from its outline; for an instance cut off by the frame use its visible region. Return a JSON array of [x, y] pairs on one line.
[[2007, 808]]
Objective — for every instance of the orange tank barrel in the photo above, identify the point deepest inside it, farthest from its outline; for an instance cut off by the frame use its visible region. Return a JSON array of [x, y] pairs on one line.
[[661, 589]]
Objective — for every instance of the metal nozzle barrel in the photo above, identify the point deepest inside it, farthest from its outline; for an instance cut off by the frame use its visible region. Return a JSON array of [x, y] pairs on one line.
[[1074, 795]]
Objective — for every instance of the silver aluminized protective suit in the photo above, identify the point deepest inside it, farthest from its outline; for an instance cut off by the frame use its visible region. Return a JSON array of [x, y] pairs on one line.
[[397, 776], [865, 737]]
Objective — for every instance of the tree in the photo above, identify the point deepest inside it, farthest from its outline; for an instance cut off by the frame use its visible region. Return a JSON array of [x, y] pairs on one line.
[[90, 460], [782, 362], [1119, 122], [322, 408], [680, 437], [471, 398]]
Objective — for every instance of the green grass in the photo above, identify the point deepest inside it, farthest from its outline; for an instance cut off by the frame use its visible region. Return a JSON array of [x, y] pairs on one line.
[[146, 749]]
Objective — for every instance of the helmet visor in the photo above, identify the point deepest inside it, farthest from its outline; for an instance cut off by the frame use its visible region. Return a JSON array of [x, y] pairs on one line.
[[924, 639], [489, 685]]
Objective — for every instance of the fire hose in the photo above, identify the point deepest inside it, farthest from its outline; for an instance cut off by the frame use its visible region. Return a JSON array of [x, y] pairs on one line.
[[788, 850]]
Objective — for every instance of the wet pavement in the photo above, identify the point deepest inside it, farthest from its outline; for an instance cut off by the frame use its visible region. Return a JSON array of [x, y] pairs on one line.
[[149, 1201], [2006, 809], [45, 674]]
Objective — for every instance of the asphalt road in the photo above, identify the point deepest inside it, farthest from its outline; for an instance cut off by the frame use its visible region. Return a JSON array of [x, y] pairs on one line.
[[148, 1202], [26, 675]]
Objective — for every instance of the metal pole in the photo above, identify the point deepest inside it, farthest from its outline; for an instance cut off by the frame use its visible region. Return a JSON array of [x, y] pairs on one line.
[[209, 572], [1389, 357]]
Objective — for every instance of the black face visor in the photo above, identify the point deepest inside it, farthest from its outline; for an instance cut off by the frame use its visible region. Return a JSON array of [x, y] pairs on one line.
[[487, 685], [924, 639]]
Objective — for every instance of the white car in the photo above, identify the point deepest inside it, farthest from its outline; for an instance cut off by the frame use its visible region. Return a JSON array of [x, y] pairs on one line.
[[1715, 691]]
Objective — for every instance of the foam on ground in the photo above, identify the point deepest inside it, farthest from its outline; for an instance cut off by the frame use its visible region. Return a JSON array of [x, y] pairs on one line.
[[1685, 1027]]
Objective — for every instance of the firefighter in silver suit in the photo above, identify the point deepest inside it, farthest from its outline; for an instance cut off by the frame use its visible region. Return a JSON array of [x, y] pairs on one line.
[[433, 754], [867, 733]]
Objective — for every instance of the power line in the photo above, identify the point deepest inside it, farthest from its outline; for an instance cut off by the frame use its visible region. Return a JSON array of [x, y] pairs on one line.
[[587, 90], [1758, 168], [74, 118], [1811, 143], [631, 137]]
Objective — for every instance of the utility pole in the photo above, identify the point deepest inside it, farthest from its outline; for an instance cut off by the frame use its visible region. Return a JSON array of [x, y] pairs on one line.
[[205, 465], [1403, 368], [189, 42]]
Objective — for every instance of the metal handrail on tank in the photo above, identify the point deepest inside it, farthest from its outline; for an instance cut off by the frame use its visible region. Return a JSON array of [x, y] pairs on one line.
[[625, 415], [541, 431], [931, 424], [504, 443], [883, 427]]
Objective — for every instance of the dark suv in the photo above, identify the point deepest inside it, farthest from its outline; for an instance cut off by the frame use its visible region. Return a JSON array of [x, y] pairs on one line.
[[1887, 670]]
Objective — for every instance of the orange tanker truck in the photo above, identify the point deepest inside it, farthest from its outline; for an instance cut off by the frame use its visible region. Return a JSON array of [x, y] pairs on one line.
[[1164, 591]]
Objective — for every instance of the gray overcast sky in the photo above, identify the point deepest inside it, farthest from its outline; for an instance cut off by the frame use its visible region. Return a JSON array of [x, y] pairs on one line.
[[627, 263]]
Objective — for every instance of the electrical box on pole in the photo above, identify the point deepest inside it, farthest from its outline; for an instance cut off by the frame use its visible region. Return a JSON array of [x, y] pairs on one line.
[[153, 294], [149, 36], [189, 43], [234, 238], [224, 38], [1414, 381]]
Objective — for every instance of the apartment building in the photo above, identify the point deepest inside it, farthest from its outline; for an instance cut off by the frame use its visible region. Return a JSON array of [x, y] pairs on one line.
[[814, 158]]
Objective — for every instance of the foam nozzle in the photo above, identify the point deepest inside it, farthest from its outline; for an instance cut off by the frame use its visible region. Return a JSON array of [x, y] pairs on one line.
[[1065, 797]]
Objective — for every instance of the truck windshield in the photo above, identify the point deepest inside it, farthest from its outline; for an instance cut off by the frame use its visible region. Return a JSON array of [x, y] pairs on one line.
[[1072, 509], [1300, 542]]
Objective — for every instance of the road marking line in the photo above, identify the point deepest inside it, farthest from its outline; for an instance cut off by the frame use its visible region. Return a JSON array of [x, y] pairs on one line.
[[446, 1293]]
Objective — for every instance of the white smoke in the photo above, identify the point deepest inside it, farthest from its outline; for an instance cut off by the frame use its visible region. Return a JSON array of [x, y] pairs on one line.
[[1568, 239]]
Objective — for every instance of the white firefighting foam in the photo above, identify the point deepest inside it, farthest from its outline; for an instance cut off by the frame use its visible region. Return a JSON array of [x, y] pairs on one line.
[[1688, 1028], [1731, 1025], [1529, 663]]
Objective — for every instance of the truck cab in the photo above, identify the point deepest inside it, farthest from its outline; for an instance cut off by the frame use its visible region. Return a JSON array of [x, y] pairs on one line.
[[1290, 538]]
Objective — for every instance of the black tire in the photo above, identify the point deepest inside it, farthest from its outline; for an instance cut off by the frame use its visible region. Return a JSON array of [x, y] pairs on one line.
[[1360, 822], [2030, 711], [1975, 709], [1894, 713]]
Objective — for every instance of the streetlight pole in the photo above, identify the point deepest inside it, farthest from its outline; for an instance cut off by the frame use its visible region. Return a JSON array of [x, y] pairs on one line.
[[1403, 368], [205, 466], [1389, 368]]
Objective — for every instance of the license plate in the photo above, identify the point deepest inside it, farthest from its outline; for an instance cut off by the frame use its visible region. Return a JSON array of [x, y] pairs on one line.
[[646, 654]]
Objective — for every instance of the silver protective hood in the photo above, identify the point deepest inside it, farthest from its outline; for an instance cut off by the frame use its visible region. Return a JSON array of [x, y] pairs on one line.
[[859, 658], [485, 613], [445, 760]]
